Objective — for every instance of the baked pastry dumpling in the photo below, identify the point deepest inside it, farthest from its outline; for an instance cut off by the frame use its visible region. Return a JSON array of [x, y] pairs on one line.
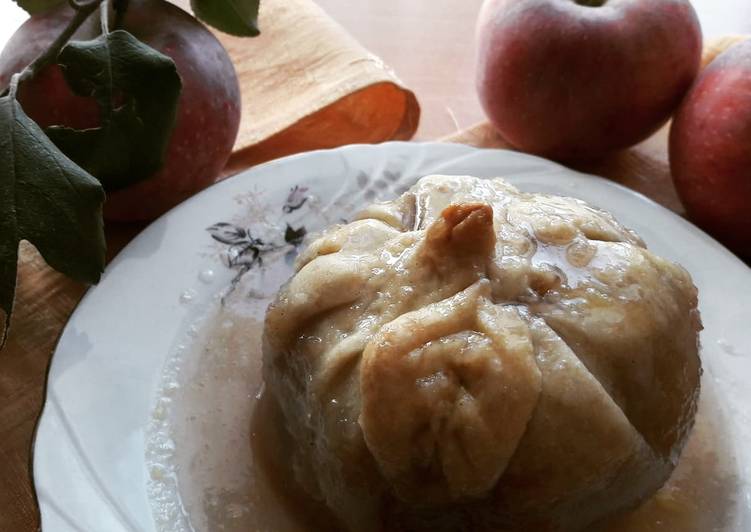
[[470, 357]]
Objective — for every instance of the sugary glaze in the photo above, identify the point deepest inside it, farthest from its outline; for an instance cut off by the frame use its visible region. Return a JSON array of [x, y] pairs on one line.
[[472, 357], [226, 452]]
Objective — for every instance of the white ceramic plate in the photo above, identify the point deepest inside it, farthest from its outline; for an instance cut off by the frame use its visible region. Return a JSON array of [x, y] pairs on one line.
[[89, 465]]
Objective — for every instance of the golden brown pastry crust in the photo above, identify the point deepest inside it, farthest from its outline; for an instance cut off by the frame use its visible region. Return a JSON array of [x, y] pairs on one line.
[[472, 357]]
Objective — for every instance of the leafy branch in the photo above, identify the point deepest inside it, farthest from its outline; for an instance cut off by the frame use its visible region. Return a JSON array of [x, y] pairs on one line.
[[51, 189], [137, 89], [83, 12]]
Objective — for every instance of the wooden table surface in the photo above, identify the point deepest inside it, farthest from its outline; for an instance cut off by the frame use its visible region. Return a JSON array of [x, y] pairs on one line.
[[429, 43]]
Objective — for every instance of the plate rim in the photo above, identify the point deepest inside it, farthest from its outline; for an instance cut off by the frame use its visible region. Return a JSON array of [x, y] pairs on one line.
[[460, 149]]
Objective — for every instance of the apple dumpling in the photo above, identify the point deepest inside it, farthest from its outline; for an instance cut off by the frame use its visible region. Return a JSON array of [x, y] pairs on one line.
[[471, 357]]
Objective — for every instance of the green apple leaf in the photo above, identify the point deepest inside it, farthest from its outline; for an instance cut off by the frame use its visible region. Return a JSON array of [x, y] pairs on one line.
[[33, 7], [236, 17], [137, 89], [47, 199]]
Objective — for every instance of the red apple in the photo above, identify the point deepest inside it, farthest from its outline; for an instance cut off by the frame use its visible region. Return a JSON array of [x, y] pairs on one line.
[[578, 78], [710, 149], [208, 115]]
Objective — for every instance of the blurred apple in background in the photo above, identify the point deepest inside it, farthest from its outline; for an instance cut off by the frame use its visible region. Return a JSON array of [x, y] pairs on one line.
[[573, 79], [710, 149], [208, 115]]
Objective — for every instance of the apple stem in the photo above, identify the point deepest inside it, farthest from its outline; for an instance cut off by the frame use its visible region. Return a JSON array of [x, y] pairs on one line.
[[83, 11], [105, 17], [13, 87]]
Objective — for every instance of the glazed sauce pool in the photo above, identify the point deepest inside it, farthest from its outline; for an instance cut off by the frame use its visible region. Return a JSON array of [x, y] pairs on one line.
[[231, 461]]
